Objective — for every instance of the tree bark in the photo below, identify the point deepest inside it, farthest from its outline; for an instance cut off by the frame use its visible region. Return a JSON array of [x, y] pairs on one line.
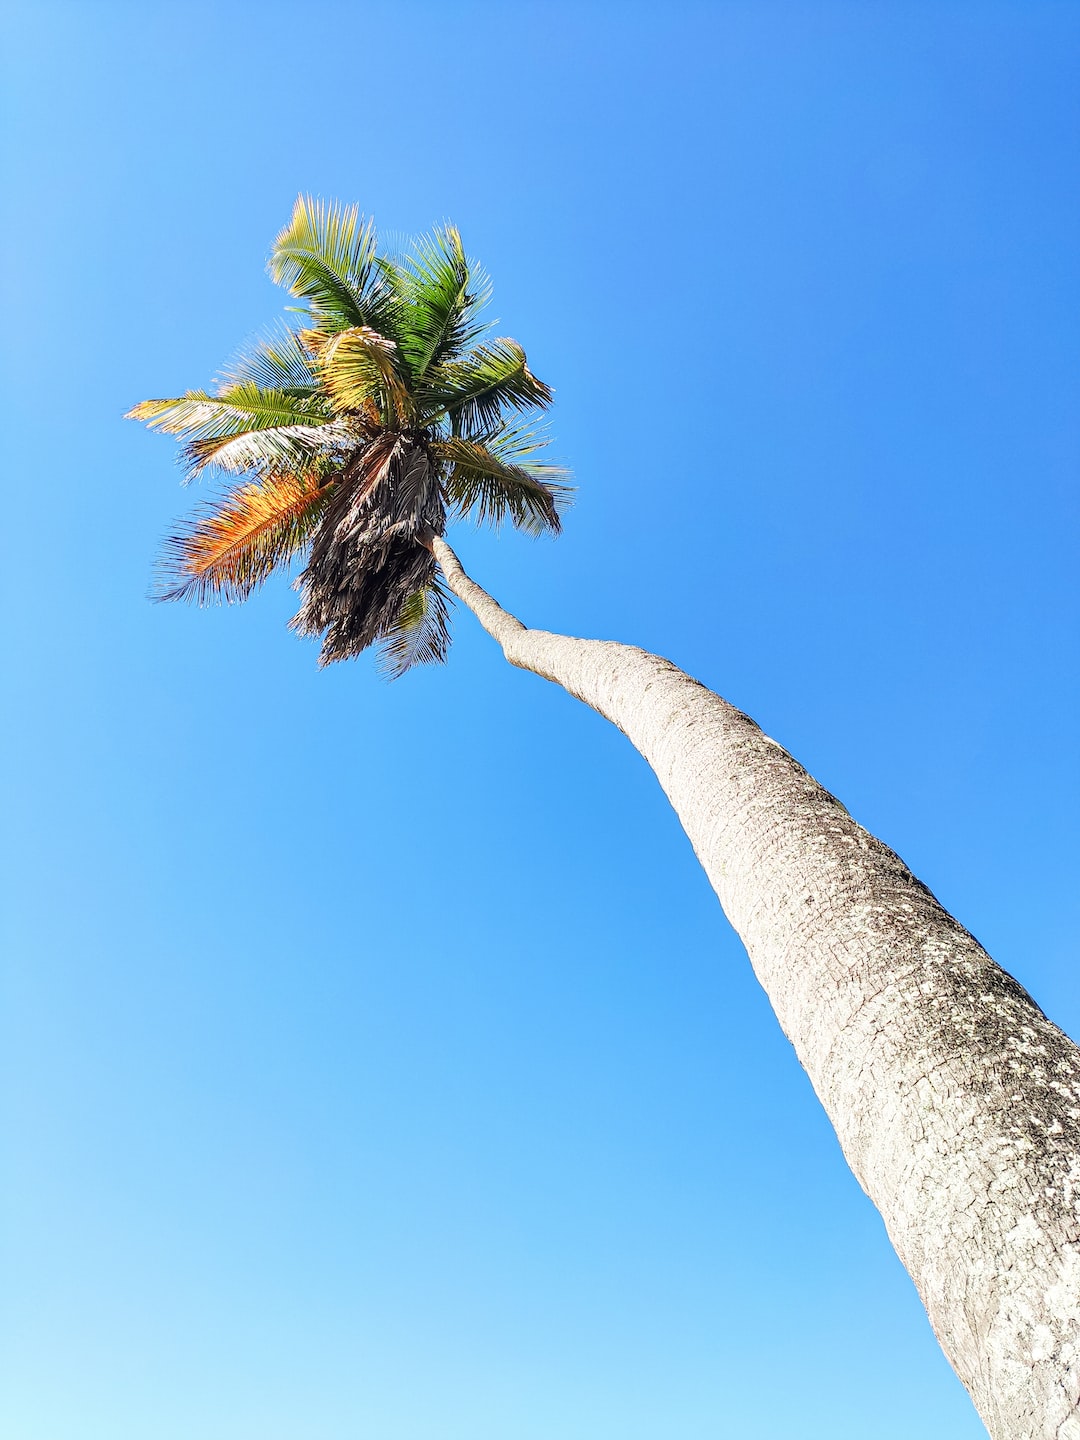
[[955, 1100]]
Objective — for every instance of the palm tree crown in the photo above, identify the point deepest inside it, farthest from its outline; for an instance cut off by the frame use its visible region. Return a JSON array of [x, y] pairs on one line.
[[356, 436]]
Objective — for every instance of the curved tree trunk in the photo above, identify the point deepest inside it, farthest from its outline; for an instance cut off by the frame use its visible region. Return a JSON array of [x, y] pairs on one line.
[[956, 1101]]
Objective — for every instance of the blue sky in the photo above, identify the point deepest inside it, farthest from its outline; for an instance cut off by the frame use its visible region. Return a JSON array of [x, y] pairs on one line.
[[378, 1064]]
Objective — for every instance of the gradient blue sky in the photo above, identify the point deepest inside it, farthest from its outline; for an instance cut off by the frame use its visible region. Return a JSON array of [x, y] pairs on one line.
[[378, 1064]]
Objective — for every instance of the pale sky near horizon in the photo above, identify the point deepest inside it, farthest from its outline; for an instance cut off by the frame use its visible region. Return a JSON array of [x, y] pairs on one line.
[[378, 1064]]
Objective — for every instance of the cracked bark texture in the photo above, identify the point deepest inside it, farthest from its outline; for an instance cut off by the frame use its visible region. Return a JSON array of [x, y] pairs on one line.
[[955, 1100]]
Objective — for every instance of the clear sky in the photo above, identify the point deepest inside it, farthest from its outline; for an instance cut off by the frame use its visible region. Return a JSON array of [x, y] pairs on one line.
[[377, 1063]]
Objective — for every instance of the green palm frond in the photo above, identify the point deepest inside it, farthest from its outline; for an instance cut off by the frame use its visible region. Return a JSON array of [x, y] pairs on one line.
[[275, 360], [442, 294], [244, 427], [326, 256], [495, 480], [420, 635], [199, 415], [478, 390]]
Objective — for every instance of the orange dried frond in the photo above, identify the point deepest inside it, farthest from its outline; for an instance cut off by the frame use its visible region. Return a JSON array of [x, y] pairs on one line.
[[226, 552]]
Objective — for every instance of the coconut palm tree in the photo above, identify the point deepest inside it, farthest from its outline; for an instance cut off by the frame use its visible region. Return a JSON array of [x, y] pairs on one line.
[[956, 1101], [355, 435]]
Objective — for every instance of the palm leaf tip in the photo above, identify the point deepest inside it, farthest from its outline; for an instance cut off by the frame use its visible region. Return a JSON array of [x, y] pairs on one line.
[[485, 386], [326, 256], [277, 359], [443, 293]]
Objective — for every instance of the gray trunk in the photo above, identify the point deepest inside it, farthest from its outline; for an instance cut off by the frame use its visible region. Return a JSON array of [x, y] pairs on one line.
[[956, 1101]]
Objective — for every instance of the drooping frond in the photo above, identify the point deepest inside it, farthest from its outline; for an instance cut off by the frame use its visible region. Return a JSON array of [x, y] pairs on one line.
[[494, 479], [231, 548], [359, 370], [477, 391], [325, 256], [419, 634], [245, 427], [366, 559], [442, 294], [277, 360]]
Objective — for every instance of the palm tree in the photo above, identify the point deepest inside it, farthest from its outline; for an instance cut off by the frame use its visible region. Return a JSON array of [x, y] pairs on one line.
[[956, 1101], [356, 435]]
